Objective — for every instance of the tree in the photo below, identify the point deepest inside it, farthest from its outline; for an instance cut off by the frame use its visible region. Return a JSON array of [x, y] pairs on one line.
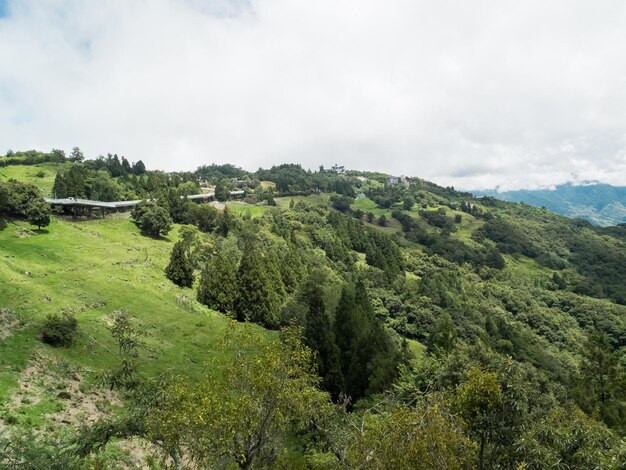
[[59, 189], [407, 204], [382, 220], [218, 283], [321, 339], [203, 216], [101, 187], [478, 401], [139, 168], [57, 155], [155, 221], [180, 268], [38, 213], [368, 355], [257, 299], [426, 436], [76, 156], [443, 335], [602, 381], [226, 221], [222, 192], [568, 438], [241, 420]]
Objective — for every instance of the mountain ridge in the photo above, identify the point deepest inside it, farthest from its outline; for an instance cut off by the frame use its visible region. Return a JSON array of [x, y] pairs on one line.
[[600, 204]]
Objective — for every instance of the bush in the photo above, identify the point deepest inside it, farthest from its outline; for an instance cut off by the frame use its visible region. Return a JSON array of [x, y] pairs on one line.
[[59, 329]]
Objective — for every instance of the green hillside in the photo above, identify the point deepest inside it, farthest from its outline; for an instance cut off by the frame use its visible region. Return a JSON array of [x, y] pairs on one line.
[[469, 322], [41, 175]]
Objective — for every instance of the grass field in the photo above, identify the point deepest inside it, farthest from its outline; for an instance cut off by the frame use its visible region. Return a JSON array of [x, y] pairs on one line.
[[243, 208], [29, 174], [315, 199], [94, 268]]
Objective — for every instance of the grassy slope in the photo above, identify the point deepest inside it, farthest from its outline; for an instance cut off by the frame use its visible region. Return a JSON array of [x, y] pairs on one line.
[[95, 268], [28, 174]]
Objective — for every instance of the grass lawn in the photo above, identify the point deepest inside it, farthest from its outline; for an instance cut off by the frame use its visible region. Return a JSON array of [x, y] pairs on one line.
[[28, 174], [367, 205], [315, 199], [243, 208], [94, 268]]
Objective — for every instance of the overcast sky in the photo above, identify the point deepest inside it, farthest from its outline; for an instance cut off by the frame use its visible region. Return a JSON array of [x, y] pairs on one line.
[[475, 94]]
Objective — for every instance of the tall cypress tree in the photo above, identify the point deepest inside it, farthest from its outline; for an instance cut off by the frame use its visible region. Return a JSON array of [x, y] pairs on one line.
[[368, 353], [218, 283], [257, 299], [320, 338], [58, 189], [180, 269]]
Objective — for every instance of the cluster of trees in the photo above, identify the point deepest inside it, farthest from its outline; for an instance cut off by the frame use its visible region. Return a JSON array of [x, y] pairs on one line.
[[355, 354], [520, 369], [24, 201], [292, 179], [466, 408], [152, 219], [31, 157], [251, 282], [115, 165]]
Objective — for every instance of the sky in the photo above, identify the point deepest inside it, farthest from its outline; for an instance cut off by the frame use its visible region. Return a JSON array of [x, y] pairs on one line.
[[476, 94]]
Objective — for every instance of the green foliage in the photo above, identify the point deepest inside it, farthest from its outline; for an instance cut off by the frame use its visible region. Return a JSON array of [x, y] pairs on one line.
[[321, 339], [59, 329], [443, 335], [427, 435], [502, 299], [203, 216], [38, 213], [241, 420], [259, 289], [128, 336], [154, 221], [180, 268], [478, 401], [76, 156], [368, 355], [218, 283], [602, 382], [567, 438], [28, 451], [222, 191], [17, 197]]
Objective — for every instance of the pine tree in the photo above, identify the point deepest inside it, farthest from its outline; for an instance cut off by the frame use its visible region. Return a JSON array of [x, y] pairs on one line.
[[257, 299], [180, 269], [320, 338], [602, 381], [218, 283], [226, 222], [59, 189], [368, 355], [221, 191]]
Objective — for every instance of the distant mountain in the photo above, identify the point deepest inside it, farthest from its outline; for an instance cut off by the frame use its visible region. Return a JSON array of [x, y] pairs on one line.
[[600, 204]]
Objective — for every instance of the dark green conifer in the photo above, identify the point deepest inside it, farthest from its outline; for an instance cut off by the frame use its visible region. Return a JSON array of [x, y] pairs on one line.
[[320, 338], [58, 189], [257, 298], [218, 283], [180, 269]]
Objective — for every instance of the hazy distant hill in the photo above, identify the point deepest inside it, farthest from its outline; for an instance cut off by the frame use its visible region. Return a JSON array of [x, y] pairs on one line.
[[600, 204]]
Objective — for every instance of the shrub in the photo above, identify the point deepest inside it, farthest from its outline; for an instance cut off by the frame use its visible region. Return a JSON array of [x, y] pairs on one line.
[[59, 329]]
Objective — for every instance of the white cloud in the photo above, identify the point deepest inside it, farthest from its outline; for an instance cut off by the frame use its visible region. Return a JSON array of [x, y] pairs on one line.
[[470, 93]]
